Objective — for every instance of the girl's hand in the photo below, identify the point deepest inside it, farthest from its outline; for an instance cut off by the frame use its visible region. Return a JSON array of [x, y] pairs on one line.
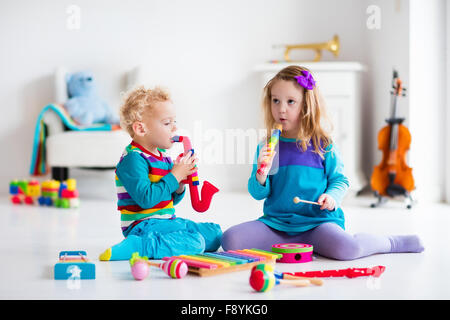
[[184, 166], [327, 202], [265, 156]]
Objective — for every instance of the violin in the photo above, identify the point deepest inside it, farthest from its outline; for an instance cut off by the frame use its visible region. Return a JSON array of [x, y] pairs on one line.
[[393, 177]]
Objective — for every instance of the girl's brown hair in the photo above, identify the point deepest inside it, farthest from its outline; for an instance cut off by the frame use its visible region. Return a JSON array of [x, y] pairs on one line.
[[313, 118]]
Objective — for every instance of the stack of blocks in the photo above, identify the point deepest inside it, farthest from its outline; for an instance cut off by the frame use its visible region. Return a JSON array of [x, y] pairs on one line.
[[24, 191], [49, 193], [68, 195]]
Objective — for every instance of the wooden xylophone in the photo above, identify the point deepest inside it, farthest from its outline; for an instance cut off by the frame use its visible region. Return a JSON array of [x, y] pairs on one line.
[[213, 263]]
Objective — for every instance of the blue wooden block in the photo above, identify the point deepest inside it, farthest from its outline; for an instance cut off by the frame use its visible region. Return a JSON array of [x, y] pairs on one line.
[[75, 265]]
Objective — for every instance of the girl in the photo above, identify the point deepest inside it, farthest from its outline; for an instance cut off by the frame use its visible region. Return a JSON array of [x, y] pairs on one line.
[[306, 165]]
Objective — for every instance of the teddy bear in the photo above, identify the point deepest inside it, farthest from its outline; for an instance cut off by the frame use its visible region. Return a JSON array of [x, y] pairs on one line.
[[84, 105]]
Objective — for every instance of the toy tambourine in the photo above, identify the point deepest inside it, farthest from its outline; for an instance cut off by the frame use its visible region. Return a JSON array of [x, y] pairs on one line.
[[294, 252]]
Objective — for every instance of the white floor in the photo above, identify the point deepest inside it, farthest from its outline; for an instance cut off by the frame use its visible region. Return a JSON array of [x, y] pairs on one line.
[[32, 237]]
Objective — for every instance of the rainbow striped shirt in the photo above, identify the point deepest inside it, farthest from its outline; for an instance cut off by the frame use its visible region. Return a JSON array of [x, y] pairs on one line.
[[145, 186]]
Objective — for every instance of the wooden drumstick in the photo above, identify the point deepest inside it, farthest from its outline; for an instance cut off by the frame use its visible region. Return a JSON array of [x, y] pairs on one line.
[[315, 281], [296, 282], [297, 200]]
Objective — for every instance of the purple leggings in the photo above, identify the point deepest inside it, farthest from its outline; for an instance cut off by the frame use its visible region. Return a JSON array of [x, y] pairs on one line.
[[328, 239]]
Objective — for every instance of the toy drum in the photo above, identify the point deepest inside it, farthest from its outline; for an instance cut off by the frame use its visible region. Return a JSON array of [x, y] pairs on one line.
[[294, 252]]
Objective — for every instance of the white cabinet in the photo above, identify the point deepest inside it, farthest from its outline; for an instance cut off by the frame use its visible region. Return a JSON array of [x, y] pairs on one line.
[[340, 85]]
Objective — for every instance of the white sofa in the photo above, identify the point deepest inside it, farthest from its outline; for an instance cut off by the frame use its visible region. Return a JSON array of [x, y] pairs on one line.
[[79, 149]]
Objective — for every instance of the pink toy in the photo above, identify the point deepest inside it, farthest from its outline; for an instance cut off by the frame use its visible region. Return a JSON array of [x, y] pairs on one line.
[[140, 266], [294, 252], [140, 270]]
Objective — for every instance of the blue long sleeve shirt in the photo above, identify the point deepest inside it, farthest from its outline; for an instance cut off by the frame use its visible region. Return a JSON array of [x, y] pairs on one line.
[[303, 174], [146, 188]]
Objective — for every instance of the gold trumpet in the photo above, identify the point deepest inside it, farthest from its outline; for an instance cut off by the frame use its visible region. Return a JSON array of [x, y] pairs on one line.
[[332, 46]]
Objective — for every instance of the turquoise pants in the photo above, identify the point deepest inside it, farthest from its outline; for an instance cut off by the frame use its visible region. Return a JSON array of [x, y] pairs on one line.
[[171, 237]]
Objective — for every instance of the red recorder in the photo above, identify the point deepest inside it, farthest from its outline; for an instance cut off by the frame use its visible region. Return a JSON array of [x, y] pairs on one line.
[[349, 272]]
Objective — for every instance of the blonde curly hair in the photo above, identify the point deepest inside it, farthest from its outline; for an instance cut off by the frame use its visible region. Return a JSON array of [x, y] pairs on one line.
[[138, 102]]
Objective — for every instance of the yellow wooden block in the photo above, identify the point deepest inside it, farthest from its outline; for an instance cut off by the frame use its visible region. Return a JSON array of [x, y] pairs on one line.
[[263, 253]]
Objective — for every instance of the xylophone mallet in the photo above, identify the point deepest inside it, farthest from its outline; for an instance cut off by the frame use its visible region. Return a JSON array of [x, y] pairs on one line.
[[297, 200], [315, 281]]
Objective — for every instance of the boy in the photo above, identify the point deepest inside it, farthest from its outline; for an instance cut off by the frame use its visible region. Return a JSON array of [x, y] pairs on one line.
[[148, 185]]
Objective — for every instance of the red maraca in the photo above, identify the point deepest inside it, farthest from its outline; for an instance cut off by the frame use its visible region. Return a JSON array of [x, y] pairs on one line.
[[262, 279], [175, 268]]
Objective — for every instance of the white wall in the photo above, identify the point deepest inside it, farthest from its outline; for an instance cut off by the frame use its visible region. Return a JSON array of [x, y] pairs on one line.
[[205, 49], [427, 96], [412, 39], [447, 110], [387, 47]]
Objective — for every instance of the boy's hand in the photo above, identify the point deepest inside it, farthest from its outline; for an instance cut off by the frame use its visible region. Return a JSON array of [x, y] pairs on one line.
[[180, 189], [327, 202], [266, 155], [184, 166]]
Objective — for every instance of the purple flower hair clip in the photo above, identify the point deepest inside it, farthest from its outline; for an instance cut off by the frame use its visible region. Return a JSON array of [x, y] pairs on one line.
[[306, 80]]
